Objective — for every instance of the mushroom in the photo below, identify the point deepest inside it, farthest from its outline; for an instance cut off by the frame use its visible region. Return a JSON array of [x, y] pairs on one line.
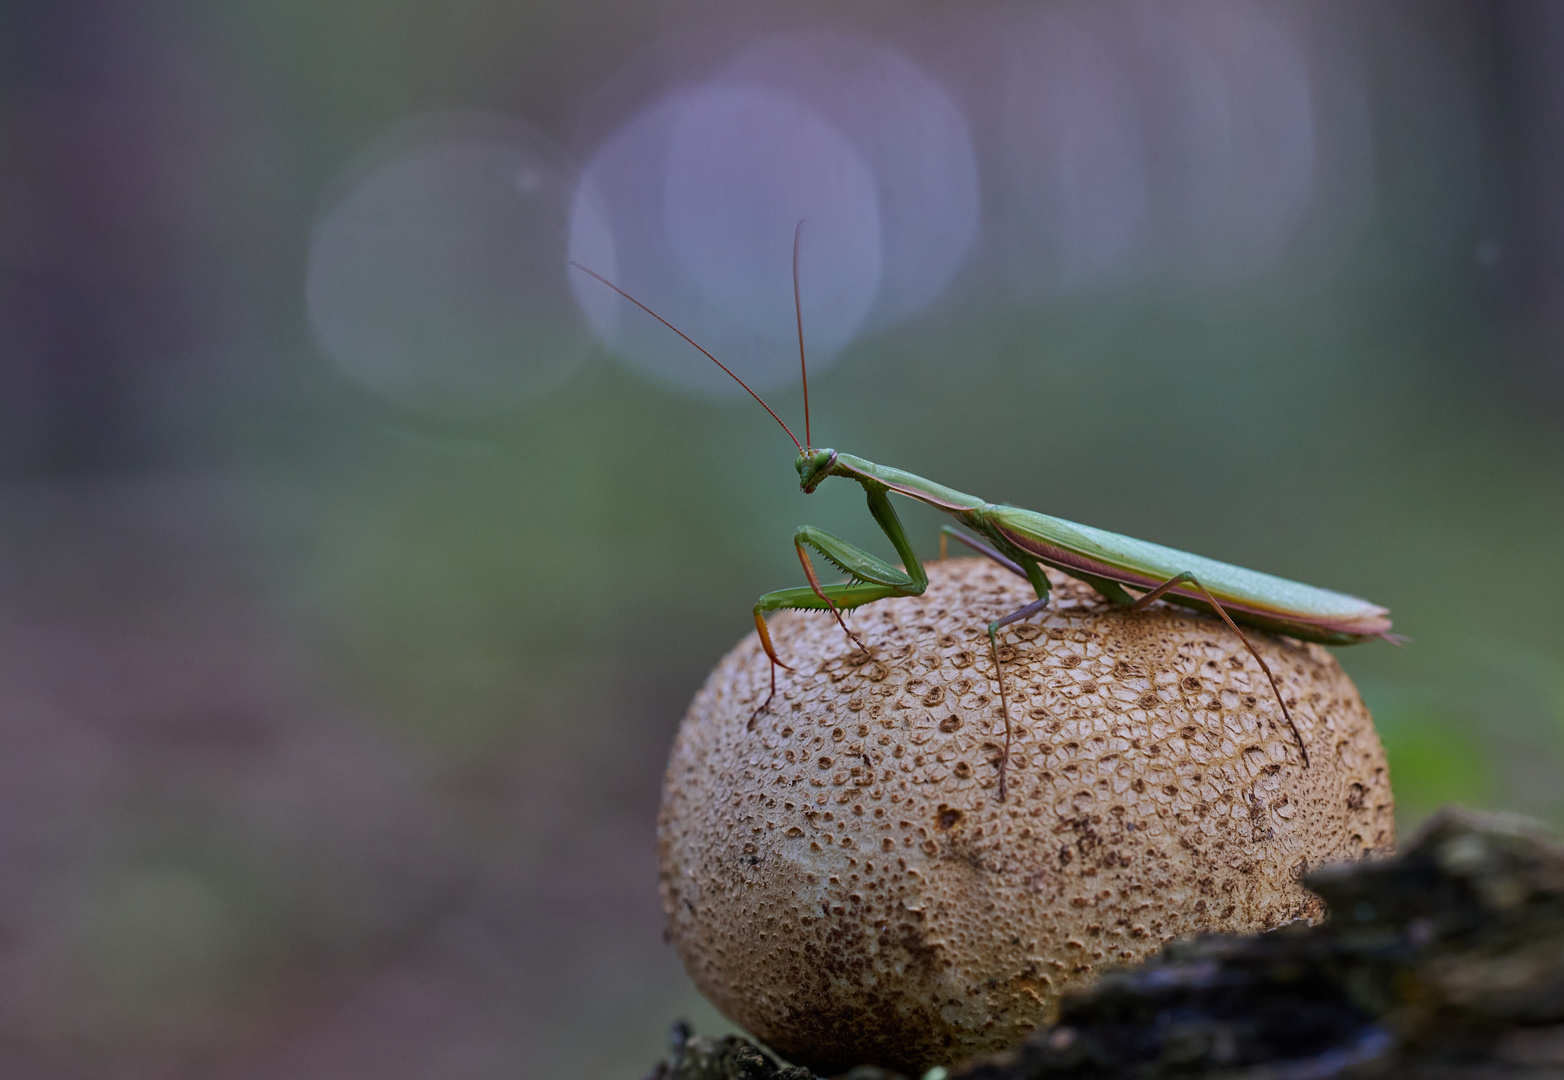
[[841, 879]]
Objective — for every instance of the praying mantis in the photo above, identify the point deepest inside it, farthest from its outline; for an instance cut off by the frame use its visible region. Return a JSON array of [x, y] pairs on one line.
[[1024, 542]]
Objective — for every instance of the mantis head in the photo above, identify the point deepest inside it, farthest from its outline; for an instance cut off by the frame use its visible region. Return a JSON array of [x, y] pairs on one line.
[[813, 466]]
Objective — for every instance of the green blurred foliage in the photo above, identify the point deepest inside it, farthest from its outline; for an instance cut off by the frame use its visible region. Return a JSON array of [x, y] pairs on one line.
[[1436, 758]]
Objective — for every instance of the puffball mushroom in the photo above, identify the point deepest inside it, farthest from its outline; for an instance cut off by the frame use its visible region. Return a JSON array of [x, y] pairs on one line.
[[841, 879]]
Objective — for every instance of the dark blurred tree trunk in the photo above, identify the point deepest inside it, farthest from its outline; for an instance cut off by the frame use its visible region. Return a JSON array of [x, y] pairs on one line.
[[85, 248], [1529, 43]]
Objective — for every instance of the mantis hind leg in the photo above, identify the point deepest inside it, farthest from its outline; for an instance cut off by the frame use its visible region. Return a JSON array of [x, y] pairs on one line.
[[1187, 577]]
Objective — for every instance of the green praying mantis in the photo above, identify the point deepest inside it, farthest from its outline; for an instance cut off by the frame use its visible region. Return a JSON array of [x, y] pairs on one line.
[[1024, 542]]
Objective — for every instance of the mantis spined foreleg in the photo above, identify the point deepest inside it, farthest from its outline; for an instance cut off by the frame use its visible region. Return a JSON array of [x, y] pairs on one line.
[[872, 579]]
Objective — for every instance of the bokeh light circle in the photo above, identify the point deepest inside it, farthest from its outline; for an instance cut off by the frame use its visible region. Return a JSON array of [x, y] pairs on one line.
[[1271, 136], [912, 135], [1072, 153], [437, 274], [699, 197]]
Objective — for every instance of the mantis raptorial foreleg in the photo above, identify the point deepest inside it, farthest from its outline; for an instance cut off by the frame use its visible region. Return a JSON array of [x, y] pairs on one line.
[[851, 559], [874, 579], [863, 567], [836, 598]]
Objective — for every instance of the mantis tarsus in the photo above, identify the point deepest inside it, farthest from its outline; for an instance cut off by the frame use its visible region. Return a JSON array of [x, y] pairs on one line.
[[1024, 542]]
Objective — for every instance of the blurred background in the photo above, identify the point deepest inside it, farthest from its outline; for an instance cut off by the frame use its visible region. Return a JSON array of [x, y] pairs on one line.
[[357, 560]]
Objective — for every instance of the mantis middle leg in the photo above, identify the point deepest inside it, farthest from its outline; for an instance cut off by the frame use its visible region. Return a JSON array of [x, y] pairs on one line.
[[1033, 572]]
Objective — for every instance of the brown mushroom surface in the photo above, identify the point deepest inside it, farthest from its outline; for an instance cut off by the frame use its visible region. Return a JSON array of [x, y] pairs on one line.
[[841, 879]]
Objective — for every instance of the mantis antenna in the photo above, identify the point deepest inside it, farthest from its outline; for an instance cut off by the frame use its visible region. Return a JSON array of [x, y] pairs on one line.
[[798, 310], [703, 352]]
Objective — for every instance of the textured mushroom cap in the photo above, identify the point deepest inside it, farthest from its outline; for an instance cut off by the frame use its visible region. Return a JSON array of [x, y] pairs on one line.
[[841, 879]]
